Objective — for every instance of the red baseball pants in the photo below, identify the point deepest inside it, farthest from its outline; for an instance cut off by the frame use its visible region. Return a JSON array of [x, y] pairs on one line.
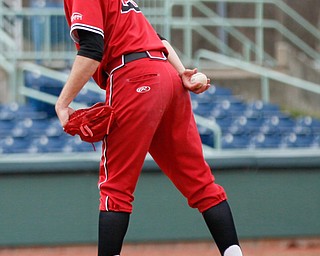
[[153, 114]]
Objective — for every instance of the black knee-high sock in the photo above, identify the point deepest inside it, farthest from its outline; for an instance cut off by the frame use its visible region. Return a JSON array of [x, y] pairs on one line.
[[221, 225], [112, 229]]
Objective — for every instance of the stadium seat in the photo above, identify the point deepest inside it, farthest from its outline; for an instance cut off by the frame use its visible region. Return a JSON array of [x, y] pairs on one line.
[[45, 144], [206, 136], [234, 141], [6, 115], [245, 125], [224, 122], [88, 97], [15, 107], [218, 91], [231, 106], [261, 140], [75, 144], [33, 128], [10, 145], [54, 128], [316, 141], [20, 111], [277, 124], [6, 126], [202, 108], [293, 140], [213, 93], [261, 106], [39, 82], [308, 123]]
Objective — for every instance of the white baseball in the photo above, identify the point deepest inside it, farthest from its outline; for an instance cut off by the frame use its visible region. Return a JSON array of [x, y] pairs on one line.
[[199, 78]]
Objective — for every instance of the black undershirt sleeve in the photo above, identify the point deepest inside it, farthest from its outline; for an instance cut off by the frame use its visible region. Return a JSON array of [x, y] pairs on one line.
[[91, 45]]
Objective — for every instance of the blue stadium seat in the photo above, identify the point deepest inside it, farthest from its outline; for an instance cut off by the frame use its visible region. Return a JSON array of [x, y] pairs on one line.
[[75, 144], [232, 106], [202, 108], [261, 140], [7, 119], [234, 141], [9, 145], [308, 123], [219, 113], [316, 141], [15, 107], [277, 124], [223, 122], [218, 91], [206, 136], [39, 82], [33, 128], [6, 126], [213, 93], [45, 144], [6, 115], [88, 97], [54, 128], [19, 111], [293, 140], [245, 125], [261, 106]]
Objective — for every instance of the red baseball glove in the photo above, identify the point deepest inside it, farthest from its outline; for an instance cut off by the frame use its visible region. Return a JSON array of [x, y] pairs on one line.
[[91, 124]]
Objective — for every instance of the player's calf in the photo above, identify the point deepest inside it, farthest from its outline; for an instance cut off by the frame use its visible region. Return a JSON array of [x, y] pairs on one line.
[[221, 225]]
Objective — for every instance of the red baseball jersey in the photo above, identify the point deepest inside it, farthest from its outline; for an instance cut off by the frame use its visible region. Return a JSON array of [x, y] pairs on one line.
[[121, 23]]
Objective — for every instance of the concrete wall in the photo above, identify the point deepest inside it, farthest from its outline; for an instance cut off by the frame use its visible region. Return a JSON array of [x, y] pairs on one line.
[[47, 208]]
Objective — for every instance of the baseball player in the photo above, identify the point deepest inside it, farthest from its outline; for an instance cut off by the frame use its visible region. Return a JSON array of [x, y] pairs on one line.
[[148, 86]]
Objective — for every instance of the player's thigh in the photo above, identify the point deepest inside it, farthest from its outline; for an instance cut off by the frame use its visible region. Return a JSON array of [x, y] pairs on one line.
[[138, 110], [177, 146]]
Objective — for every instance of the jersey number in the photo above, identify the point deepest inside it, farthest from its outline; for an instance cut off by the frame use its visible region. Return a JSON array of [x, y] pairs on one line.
[[128, 6]]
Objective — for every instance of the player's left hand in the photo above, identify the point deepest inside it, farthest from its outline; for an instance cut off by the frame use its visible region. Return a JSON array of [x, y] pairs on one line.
[[193, 87]]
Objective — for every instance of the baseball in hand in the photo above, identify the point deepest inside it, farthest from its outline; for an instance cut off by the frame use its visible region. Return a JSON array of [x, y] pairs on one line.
[[199, 78]]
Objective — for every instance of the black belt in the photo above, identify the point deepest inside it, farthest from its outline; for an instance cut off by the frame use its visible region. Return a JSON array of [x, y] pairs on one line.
[[135, 56], [154, 54]]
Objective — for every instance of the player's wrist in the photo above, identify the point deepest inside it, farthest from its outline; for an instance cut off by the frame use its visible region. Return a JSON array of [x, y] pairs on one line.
[[60, 105], [181, 72]]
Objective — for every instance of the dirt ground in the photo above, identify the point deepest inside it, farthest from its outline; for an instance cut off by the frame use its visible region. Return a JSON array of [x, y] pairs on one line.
[[289, 247]]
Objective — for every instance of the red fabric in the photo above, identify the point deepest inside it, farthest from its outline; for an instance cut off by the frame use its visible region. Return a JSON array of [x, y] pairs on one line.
[[154, 115], [121, 23]]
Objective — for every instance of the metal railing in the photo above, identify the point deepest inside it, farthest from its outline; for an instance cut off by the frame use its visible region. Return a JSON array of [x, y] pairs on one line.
[[42, 33], [45, 35], [252, 50], [265, 73]]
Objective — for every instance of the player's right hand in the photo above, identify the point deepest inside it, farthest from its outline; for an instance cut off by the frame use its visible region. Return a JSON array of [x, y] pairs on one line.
[[193, 87], [64, 114]]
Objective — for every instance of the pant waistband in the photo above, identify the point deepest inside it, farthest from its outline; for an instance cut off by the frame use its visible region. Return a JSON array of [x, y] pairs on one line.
[[127, 58]]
